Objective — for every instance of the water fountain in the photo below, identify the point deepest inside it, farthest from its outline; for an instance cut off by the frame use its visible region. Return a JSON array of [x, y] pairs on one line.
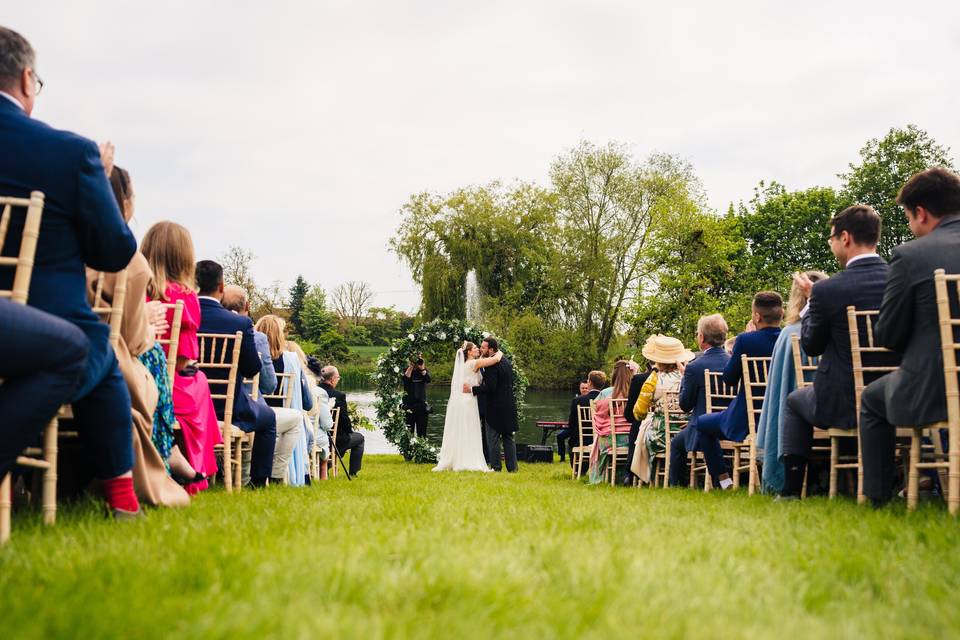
[[473, 303]]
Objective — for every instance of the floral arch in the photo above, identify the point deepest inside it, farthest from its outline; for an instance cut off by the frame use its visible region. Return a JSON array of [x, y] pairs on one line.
[[390, 367]]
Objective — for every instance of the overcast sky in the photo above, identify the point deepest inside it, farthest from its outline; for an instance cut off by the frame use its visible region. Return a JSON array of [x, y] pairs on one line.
[[298, 130]]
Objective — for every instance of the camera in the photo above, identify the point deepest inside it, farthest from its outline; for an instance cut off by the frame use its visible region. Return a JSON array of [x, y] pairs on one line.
[[419, 362]]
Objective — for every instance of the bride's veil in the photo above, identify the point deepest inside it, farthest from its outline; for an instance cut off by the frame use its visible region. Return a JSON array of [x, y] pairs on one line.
[[456, 382]]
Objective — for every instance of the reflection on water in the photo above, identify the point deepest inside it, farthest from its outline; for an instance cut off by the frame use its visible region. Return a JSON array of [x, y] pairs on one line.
[[539, 405]]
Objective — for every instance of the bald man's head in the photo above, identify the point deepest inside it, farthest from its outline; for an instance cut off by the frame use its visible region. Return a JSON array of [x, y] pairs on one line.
[[330, 375], [235, 299]]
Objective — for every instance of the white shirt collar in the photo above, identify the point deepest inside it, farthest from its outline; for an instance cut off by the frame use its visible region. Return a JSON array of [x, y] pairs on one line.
[[13, 100], [208, 298], [862, 256]]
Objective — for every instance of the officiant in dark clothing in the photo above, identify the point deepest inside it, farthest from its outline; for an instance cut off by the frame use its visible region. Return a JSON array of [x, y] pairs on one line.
[[415, 381]]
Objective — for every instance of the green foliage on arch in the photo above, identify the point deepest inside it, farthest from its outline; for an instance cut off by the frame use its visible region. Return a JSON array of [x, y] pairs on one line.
[[390, 368]]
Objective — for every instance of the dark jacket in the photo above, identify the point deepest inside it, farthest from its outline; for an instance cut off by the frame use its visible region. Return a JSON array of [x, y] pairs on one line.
[[908, 324], [636, 386], [344, 426], [415, 388], [81, 224], [573, 420], [753, 344], [693, 390], [825, 332], [496, 392], [248, 414]]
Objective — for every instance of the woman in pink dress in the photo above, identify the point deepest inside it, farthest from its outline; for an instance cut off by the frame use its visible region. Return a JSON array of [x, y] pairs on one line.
[[168, 248]]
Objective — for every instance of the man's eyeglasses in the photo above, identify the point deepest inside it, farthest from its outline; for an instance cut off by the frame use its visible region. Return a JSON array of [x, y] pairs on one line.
[[38, 81]]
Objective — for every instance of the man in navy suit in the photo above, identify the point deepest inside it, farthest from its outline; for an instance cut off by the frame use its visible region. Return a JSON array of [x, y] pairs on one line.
[[596, 381], [81, 226], [831, 401], [248, 414], [731, 423], [711, 336]]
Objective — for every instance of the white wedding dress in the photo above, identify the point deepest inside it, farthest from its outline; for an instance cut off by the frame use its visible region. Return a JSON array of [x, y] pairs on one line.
[[462, 448]]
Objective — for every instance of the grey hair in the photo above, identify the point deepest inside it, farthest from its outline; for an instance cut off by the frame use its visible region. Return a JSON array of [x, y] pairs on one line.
[[328, 373], [16, 54]]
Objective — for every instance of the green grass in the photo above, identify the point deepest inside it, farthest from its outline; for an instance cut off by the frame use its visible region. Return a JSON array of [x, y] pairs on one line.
[[371, 353], [403, 552]]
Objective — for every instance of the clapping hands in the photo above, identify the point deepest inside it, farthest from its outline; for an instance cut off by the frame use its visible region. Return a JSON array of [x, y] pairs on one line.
[[157, 316], [107, 151]]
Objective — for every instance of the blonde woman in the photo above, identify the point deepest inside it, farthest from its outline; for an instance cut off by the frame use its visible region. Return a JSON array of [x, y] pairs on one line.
[[319, 437]]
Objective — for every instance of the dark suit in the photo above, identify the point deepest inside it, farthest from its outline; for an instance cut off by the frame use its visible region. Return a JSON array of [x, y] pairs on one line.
[[693, 399], [81, 225], [831, 402], [248, 414], [347, 438], [500, 413], [914, 394], [571, 433], [731, 423], [415, 401]]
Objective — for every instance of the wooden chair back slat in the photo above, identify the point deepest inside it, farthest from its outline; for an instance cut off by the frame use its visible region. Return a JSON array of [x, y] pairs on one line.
[[112, 313], [674, 420], [755, 370], [173, 341], [286, 383], [948, 313], [24, 261], [862, 342], [225, 343], [804, 366], [719, 394]]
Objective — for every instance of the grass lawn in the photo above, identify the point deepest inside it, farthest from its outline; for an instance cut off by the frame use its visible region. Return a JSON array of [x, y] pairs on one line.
[[370, 353], [403, 552]]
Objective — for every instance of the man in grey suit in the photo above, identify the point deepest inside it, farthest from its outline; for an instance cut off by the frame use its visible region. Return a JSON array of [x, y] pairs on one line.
[[914, 394]]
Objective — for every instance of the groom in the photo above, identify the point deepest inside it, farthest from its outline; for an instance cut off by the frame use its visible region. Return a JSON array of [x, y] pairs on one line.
[[500, 407]]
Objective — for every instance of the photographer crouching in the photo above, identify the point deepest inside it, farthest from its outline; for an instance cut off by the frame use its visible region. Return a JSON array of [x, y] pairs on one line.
[[415, 406]]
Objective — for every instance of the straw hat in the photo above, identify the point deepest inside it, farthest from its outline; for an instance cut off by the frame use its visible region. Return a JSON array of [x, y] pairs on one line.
[[666, 350]]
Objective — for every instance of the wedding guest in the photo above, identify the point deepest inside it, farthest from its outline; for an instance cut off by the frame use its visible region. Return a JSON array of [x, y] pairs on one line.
[[318, 438], [915, 393], [711, 336], [731, 423], [667, 355], [415, 381], [636, 386], [347, 438], [235, 299], [611, 427], [596, 380], [290, 456], [81, 225], [584, 387], [781, 380], [168, 248], [249, 414], [324, 417]]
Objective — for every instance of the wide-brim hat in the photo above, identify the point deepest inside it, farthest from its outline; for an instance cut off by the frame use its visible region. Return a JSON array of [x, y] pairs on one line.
[[667, 350]]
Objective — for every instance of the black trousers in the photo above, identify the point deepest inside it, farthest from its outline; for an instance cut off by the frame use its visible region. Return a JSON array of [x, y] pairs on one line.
[[494, 439], [681, 445], [41, 361], [797, 436], [878, 439], [416, 415], [354, 444], [567, 438]]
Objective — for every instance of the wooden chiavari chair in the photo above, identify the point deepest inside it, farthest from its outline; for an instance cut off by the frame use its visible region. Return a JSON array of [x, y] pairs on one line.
[[334, 454], [172, 343], [674, 421], [719, 395], [581, 453], [755, 370], [618, 455], [22, 266], [805, 370], [221, 352], [285, 385]]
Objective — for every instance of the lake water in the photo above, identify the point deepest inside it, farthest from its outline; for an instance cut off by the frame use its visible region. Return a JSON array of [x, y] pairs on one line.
[[539, 405]]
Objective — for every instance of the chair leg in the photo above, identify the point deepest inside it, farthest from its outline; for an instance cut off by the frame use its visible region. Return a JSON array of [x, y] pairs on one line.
[[754, 471], [692, 460], [736, 467], [953, 477], [5, 506], [803, 489], [861, 496], [942, 474], [50, 474], [834, 461], [913, 473], [227, 461]]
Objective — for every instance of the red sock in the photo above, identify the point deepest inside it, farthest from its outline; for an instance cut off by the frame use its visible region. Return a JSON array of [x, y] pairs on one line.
[[120, 495]]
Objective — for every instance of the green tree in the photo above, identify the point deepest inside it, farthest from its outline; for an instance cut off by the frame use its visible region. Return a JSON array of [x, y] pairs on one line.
[[885, 165], [298, 294], [315, 317]]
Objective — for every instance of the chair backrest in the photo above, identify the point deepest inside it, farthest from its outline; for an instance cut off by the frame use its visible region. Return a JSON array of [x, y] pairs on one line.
[[804, 366], [335, 415], [755, 370], [948, 312], [674, 418], [111, 313], [719, 393], [618, 407], [286, 384], [585, 423], [863, 347], [23, 263], [173, 342], [221, 352]]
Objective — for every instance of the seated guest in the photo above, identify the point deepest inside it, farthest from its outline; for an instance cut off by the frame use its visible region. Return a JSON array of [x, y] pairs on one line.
[[731, 423], [914, 394], [322, 410], [347, 438], [781, 380], [596, 380], [666, 355], [235, 299], [318, 438], [41, 357], [825, 332], [563, 435], [249, 415], [610, 426], [636, 386], [168, 248], [290, 457], [81, 225], [711, 334]]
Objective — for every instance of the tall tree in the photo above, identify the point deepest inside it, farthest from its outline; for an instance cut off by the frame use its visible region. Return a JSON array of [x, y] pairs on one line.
[[315, 316], [237, 269], [351, 299], [885, 165], [298, 293]]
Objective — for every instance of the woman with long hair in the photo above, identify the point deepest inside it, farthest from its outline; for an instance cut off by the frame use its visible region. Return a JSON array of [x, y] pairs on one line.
[[611, 427], [168, 249]]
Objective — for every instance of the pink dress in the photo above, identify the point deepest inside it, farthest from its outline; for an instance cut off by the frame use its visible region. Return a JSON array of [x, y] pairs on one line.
[[191, 394]]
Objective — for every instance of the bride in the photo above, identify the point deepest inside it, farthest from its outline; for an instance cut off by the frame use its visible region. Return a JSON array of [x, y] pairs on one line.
[[462, 448]]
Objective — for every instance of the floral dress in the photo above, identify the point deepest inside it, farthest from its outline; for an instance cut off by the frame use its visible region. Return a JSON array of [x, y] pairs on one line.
[[652, 434], [163, 418]]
